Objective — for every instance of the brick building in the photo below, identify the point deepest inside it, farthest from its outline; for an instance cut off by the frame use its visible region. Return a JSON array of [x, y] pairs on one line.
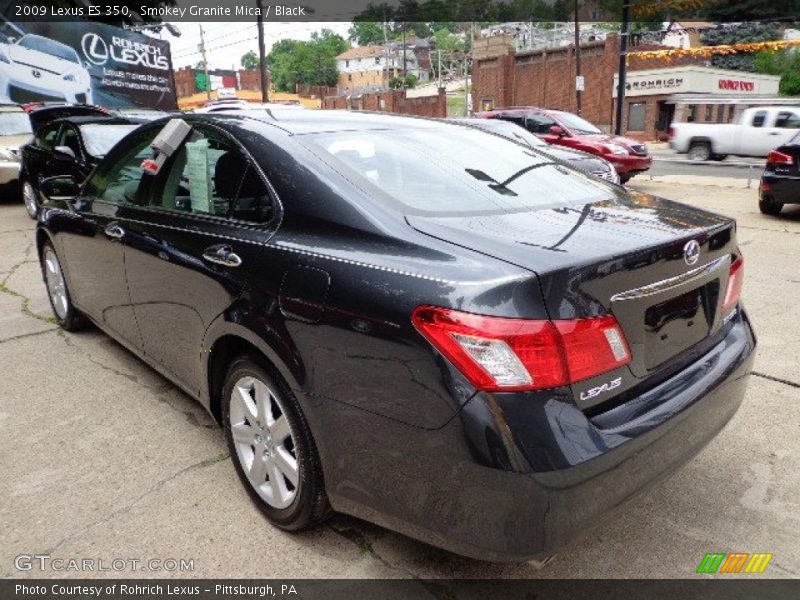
[[657, 92], [186, 80]]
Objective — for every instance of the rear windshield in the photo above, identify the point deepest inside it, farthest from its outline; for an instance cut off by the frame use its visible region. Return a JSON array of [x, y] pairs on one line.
[[455, 170], [48, 46], [99, 139]]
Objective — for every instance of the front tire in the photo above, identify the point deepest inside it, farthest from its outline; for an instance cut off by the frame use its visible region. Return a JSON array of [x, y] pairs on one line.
[[29, 198], [272, 447], [67, 316], [770, 207]]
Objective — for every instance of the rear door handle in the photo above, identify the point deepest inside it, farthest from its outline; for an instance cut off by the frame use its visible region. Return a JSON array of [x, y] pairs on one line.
[[222, 254], [114, 231]]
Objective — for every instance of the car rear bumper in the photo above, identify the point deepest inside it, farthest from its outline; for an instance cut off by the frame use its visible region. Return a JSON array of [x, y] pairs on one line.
[[630, 164], [785, 190], [9, 171], [493, 483]]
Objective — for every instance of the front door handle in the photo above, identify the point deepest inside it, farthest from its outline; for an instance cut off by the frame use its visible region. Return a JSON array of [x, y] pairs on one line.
[[222, 254], [115, 232]]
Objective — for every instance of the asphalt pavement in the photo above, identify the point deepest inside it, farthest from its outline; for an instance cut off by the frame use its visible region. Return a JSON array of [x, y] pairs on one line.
[[669, 162], [102, 458]]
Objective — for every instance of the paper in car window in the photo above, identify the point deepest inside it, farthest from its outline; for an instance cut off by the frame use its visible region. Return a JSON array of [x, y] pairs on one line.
[[197, 172]]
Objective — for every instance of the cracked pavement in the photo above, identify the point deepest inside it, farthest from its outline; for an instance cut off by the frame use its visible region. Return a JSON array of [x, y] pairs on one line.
[[103, 458]]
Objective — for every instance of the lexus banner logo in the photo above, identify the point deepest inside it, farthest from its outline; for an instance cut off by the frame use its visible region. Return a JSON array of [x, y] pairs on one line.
[[94, 49]]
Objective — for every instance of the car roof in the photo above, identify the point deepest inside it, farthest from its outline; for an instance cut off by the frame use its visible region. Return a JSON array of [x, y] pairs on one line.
[[298, 122]]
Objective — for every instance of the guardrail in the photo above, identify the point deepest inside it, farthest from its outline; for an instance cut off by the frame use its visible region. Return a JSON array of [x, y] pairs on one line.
[[714, 163]]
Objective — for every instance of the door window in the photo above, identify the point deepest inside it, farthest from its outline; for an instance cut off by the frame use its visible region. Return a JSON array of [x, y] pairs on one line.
[[636, 115], [787, 120], [69, 138], [123, 181], [538, 123], [210, 175], [46, 137]]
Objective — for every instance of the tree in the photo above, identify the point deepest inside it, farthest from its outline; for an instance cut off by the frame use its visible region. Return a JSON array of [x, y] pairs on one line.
[[742, 61], [364, 33], [312, 62], [250, 60], [785, 63]]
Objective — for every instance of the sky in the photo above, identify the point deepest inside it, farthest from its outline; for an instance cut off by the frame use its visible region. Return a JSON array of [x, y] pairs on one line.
[[227, 42]]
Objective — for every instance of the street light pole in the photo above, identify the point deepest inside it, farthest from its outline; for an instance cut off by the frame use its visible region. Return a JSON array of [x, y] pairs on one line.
[[262, 52], [623, 63], [577, 59]]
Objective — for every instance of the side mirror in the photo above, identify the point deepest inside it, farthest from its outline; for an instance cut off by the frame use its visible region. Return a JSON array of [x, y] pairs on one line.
[[65, 151], [61, 187], [557, 130]]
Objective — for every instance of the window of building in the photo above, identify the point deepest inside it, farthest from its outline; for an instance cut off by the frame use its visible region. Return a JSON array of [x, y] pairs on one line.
[[720, 113], [377, 60], [636, 115], [709, 113], [691, 114], [346, 63]]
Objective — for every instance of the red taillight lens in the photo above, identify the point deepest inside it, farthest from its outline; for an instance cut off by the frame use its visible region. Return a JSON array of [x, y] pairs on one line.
[[671, 132], [734, 289], [500, 354], [779, 158]]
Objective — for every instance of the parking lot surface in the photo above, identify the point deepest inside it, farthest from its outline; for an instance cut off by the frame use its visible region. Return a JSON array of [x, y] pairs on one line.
[[102, 458]]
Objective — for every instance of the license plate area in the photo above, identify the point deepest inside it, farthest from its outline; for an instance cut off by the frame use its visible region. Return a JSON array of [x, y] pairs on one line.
[[677, 324]]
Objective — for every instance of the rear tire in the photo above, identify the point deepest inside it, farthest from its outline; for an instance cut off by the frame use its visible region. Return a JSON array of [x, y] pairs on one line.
[[699, 151], [769, 207], [67, 316], [29, 198], [623, 179], [273, 451]]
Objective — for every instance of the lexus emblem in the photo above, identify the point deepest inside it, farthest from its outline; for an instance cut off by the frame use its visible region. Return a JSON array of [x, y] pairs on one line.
[[691, 252], [36, 73], [94, 48]]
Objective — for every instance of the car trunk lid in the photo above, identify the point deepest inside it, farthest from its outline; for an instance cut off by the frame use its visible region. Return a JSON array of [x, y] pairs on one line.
[[628, 256]]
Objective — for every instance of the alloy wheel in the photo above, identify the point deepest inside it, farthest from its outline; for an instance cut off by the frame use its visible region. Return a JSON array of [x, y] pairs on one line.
[[29, 198], [264, 442], [56, 286]]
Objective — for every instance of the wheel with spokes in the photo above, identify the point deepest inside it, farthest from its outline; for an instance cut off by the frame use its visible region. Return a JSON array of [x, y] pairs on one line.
[[66, 314], [272, 447], [30, 199]]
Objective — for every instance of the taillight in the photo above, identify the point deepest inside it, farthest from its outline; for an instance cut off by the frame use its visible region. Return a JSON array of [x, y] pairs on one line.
[[671, 132], [501, 354], [779, 158], [734, 289]]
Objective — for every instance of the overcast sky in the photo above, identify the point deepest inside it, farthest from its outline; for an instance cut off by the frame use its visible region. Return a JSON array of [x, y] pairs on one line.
[[227, 42]]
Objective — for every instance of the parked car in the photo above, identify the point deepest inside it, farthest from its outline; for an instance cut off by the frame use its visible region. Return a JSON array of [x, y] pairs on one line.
[[71, 146], [414, 322], [628, 156], [15, 130], [593, 165], [780, 182], [36, 68], [758, 131]]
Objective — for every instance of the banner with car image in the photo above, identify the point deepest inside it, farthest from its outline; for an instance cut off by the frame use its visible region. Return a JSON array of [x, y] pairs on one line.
[[84, 63]]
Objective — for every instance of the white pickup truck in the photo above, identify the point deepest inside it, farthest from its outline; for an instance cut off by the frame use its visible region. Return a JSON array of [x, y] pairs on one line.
[[758, 131]]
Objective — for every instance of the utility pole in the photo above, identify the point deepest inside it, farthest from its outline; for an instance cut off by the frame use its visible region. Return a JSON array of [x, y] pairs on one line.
[[262, 52], [405, 63], [439, 68], [205, 63], [577, 60], [466, 67], [623, 63]]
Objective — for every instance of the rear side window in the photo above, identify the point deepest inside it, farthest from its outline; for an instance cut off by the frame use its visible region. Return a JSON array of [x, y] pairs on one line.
[[46, 137], [759, 118], [210, 175], [118, 180], [454, 170]]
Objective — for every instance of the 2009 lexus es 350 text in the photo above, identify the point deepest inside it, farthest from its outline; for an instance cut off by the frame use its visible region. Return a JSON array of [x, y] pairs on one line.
[[417, 323]]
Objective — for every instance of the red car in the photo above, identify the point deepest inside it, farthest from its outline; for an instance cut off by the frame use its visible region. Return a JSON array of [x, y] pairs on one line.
[[628, 156]]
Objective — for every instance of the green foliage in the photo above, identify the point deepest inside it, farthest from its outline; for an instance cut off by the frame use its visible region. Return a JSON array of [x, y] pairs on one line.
[[312, 62], [250, 60], [447, 41], [397, 83], [743, 61], [364, 33], [785, 63]]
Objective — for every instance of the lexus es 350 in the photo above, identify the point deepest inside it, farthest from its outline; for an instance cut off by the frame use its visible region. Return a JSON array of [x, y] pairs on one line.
[[420, 324]]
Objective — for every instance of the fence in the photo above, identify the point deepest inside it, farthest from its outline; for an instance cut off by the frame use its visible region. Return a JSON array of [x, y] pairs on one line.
[[393, 101]]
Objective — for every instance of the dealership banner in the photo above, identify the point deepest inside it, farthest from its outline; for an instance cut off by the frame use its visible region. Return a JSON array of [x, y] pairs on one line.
[[84, 63]]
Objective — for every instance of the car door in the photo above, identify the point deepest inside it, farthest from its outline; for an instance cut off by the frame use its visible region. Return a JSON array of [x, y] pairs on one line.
[[36, 155], [192, 251], [758, 136], [94, 244], [62, 163]]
